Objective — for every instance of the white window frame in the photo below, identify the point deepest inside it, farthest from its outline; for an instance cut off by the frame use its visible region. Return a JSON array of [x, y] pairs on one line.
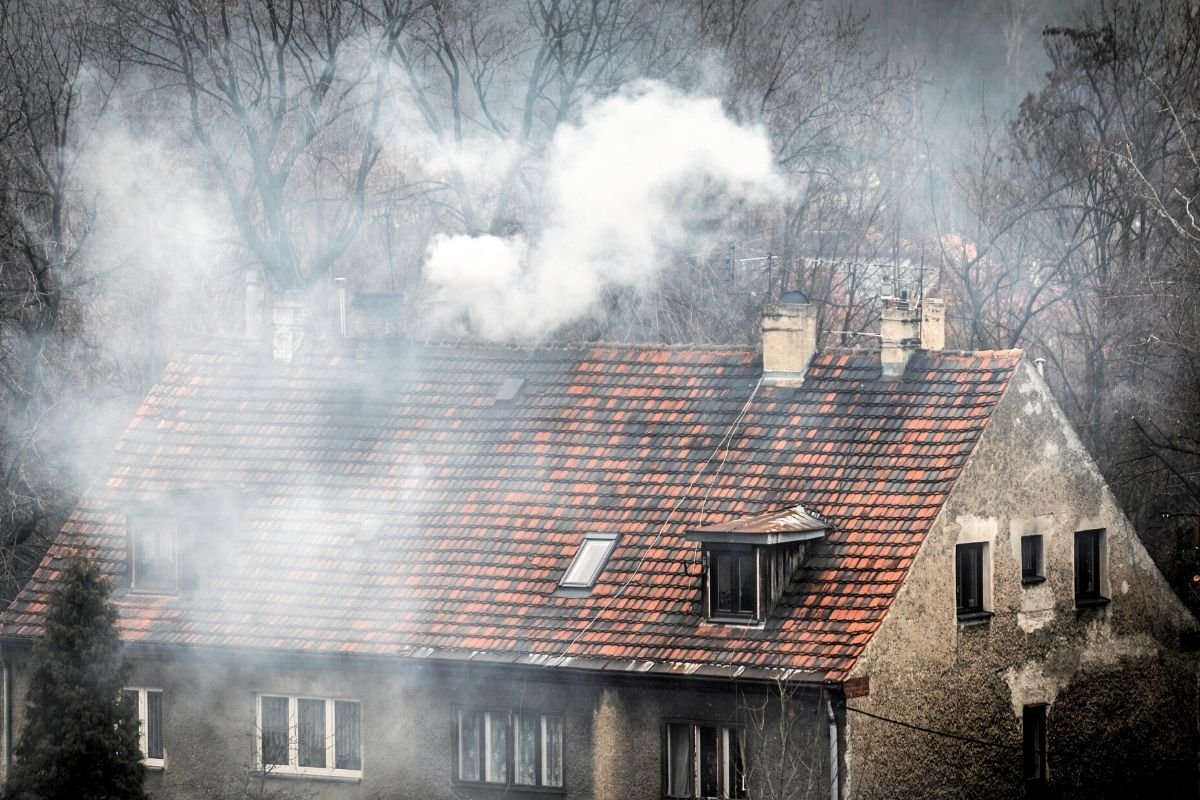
[[293, 766], [728, 735], [512, 748], [143, 715], [140, 527]]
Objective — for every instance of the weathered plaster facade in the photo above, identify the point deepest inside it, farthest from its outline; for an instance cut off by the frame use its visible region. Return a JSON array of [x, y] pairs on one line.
[[1121, 697], [613, 727]]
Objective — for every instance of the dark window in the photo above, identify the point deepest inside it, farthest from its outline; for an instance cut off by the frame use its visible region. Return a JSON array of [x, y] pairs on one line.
[[1034, 725], [733, 583], [1032, 568], [1089, 565], [148, 703], [968, 577], [703, 761], [508, 748], [309, 735], [153, 547]]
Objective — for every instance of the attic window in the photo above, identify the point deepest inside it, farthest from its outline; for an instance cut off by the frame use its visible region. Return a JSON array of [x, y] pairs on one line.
[[509, 389], [154, 544], [591, 557], [749, 562]]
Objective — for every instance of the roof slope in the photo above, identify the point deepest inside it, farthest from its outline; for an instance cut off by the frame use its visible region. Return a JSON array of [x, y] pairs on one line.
[[484, 502]]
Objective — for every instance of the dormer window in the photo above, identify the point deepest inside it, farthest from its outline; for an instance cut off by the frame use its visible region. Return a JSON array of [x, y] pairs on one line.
[[154, 549], [733, 582], [589, 560], [750, 562], [177, 539]]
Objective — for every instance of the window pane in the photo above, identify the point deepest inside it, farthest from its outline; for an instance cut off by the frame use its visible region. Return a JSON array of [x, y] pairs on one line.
[[154, 747], [552, 751], [1035, 742], [468, 746], [347, 737], [679, 760], [525, 749], [1087, 564], [311, 715], [710, 763], [737, 768], [747, 584], [496, 738], [154, 554], [968, 567], [1031, 556], [724, 582], [274, 730]]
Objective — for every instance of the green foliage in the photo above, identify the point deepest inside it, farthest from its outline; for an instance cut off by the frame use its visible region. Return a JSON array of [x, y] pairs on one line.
[[80, 739]]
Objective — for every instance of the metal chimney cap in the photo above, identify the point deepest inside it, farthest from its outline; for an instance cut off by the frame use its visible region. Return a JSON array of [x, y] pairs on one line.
[[793, 298]]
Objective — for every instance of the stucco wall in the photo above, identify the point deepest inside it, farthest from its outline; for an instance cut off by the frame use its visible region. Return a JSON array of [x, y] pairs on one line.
[[613, 727], [1121, 697]]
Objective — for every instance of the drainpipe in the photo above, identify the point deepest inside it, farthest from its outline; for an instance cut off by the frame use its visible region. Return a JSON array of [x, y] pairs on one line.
[[6, 711], [834, 758]]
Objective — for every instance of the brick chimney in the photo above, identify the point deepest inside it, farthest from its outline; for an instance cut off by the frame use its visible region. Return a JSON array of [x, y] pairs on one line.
[[789, 339], [289, 315], [905, 327]]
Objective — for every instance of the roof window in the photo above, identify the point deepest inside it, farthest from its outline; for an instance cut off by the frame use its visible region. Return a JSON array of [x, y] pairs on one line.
[[591, 557]]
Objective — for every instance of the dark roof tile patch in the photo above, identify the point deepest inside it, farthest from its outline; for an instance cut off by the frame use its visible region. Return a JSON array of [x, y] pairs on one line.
[[480, 505]]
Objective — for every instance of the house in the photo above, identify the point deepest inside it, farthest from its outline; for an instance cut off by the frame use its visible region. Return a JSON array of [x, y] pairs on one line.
[[368, 569]]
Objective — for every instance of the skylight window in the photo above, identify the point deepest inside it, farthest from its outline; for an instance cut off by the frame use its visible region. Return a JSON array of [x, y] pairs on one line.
[[591, 557]]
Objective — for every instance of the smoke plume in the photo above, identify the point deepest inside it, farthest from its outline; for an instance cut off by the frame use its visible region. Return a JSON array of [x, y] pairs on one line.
[[637, 175]]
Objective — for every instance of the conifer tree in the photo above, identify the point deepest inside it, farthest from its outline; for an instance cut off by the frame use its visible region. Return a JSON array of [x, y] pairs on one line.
[[80, 738]]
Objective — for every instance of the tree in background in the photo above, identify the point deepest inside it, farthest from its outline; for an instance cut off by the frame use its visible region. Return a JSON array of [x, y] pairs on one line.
[[80, 738]]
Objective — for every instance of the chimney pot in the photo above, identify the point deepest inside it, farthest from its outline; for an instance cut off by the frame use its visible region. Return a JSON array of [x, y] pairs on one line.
[[789, 339]]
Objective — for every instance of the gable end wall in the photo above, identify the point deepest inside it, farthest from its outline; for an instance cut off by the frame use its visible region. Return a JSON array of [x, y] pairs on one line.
[[1121, 698]]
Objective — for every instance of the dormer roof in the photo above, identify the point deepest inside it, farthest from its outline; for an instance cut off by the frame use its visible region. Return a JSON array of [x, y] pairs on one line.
[[786, 526]]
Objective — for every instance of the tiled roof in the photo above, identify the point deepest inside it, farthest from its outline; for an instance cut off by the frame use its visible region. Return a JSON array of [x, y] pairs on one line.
[[484, 501]]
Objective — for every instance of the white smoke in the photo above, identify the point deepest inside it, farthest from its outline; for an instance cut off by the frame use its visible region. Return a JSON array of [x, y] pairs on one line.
[[628, 181]]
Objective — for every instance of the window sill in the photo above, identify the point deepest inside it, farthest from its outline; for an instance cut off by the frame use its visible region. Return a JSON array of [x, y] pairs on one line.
[[1033, 581], [745, 622], [1091, 602], [293, 774], [509, 789], [973, 618]]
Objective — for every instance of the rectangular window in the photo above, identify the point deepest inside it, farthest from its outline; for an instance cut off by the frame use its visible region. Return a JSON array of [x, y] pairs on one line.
[[1033, 725], [310, 736], [1032, 569], [1089, 567], [153, 562], [149, 705], [733, 583], [703, 761], [483, 753], [969, 572]]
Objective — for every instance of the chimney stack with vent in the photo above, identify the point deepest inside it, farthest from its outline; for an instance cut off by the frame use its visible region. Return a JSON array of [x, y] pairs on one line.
[[289, 314], [905, 326], [789, 338]]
